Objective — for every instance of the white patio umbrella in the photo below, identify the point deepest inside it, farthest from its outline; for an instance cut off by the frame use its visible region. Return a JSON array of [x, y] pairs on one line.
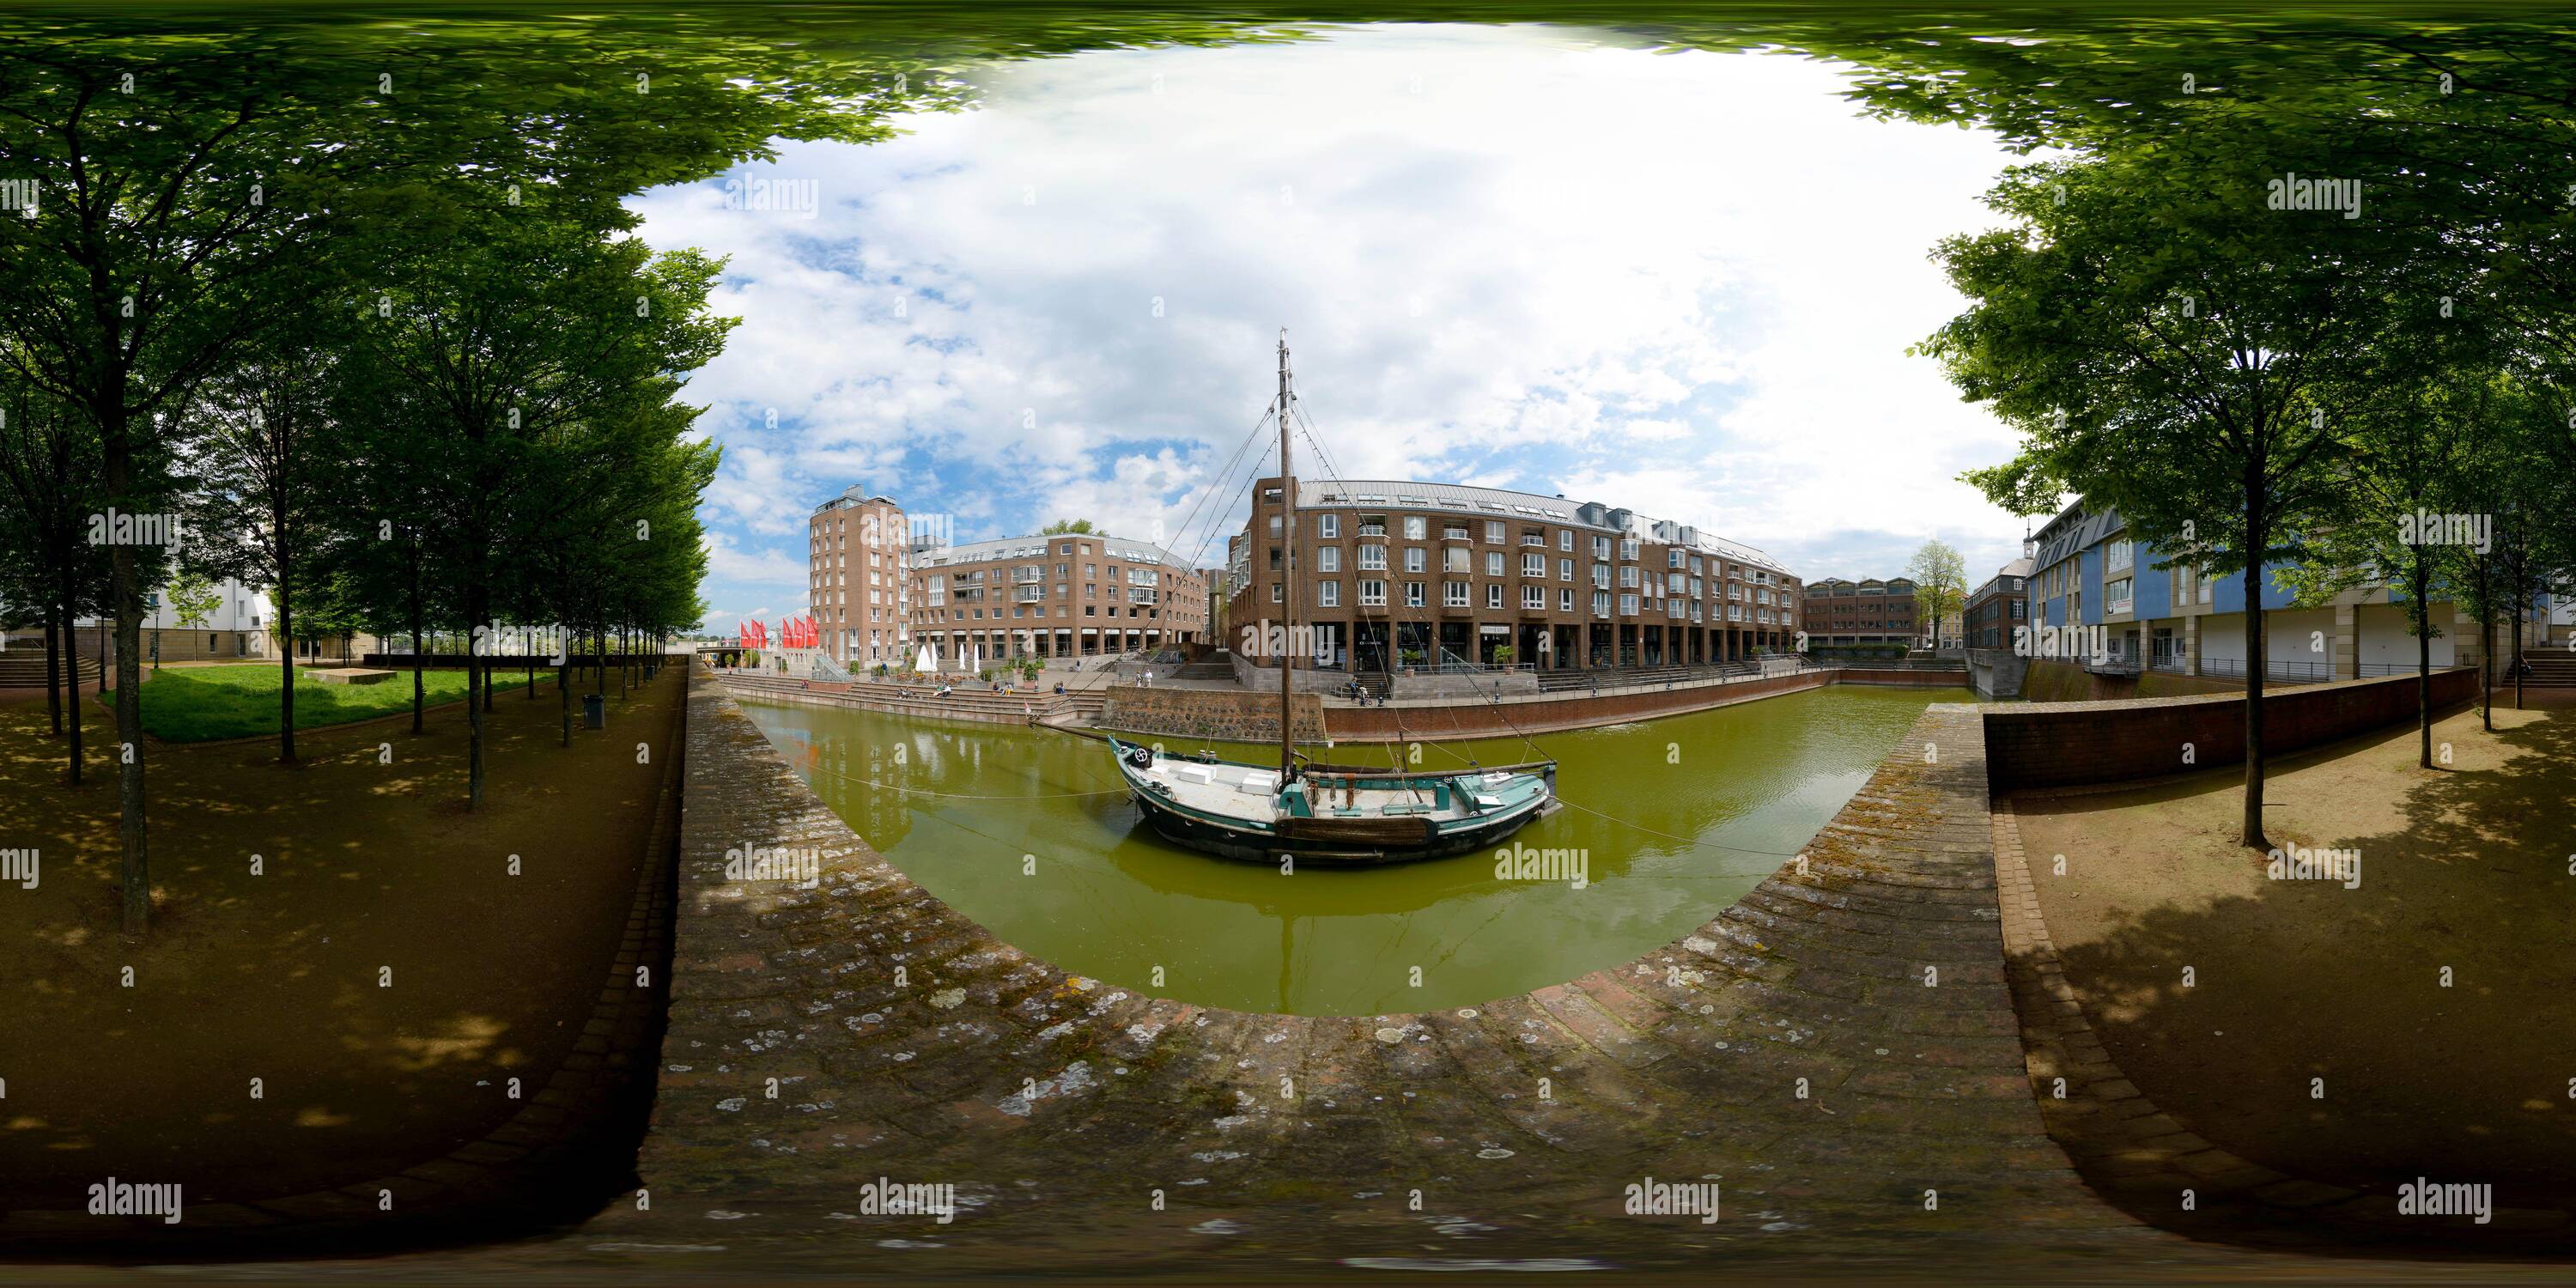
[[929, 661]]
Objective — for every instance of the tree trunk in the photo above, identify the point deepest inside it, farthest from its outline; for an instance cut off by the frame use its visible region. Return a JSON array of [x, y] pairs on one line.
[[419, 696], [72, 687], [621, 664], [286, 661], [2254, 669], [2486, 650], [2517, 644], [473, 706], [2423, 661], [126, 599], [54, 673]]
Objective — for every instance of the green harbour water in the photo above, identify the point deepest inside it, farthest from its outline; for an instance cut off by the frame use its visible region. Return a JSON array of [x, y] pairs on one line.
[[1031, 836]]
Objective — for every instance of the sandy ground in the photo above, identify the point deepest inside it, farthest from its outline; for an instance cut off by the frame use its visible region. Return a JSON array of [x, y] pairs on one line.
[[367, 868], [2469, 870]]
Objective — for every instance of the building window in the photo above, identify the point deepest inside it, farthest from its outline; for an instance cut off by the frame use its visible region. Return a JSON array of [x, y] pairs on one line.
[[1453, 594], [1328, 559], [1493, 563], [1278, 592], [1453, 559], [1493, 532], [1372, 593], [1565, 538], [1413, 594], [1565, 570], [1533, 597], [1328, 526], [1328, 594], [1565, 600], [1533, 565], [1414, 526], [1413, 559], [1373, 558], [1493, 594]]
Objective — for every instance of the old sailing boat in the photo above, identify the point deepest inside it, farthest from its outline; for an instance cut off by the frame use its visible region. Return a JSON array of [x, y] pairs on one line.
[[1332, 814]]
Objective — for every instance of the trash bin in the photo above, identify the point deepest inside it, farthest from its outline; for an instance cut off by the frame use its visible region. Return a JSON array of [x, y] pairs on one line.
[[594, 711]]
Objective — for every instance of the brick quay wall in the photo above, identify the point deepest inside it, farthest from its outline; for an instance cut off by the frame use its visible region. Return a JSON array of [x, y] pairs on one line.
[[1549, 713], [2066, 744]]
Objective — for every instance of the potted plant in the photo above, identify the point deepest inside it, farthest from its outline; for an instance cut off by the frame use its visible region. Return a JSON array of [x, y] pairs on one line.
[[1504, 653], [881, 670], [1412, 658]]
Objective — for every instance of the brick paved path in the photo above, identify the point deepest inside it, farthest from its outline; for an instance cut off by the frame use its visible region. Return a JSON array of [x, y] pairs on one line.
[[1059, 1107]]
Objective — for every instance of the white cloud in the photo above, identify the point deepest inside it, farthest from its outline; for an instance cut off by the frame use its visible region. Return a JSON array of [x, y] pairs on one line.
[[1678, 282]]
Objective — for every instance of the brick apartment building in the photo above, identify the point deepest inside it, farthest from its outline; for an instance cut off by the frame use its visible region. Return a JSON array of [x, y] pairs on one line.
[[861, 588], [1064, 595], [1387, 568], [2002, 604], [1862, 612]]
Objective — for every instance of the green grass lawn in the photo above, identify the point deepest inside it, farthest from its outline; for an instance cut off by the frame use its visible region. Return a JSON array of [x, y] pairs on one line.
[[205, 703]]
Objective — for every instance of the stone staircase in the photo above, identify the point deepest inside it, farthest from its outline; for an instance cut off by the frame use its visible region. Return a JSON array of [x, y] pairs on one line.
[[24, 668], [2549, 668]]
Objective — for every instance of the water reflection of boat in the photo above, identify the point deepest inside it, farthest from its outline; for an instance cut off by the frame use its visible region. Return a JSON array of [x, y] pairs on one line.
[[1324, 813]]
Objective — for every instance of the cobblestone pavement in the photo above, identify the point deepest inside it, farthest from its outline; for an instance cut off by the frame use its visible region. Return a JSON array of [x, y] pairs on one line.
[[824, 1041]]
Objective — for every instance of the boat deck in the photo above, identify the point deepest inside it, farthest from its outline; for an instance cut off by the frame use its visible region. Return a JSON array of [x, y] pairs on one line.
[[1246, 791]]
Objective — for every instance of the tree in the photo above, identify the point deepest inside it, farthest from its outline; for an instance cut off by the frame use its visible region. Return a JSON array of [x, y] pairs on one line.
[[262, 465], [512, 329], [193, 600], [2409, 469], [1940, 579], [1063, 527], [2169, 346], [48, 489]]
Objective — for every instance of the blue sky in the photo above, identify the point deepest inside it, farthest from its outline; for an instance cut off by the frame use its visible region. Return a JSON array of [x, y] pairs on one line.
[[1682, 283]]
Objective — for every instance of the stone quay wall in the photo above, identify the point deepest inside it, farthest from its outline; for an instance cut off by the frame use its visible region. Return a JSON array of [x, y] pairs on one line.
[[1468, 718], [1837, 1046], [1210, 713], [2066, 744]]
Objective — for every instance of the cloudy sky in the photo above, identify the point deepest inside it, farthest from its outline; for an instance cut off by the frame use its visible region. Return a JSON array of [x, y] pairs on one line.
[[1682, 283]]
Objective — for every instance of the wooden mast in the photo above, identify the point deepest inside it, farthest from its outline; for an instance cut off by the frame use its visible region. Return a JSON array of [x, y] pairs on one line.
[[1287, 567]]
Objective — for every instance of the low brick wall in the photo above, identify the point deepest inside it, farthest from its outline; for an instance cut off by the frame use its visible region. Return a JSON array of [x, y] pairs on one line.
[[2063, 744], [1902, 676], [1210, 713], [2069, 682]]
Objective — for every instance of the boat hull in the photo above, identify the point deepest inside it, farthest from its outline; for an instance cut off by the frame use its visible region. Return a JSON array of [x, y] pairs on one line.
[[1210, 835]]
